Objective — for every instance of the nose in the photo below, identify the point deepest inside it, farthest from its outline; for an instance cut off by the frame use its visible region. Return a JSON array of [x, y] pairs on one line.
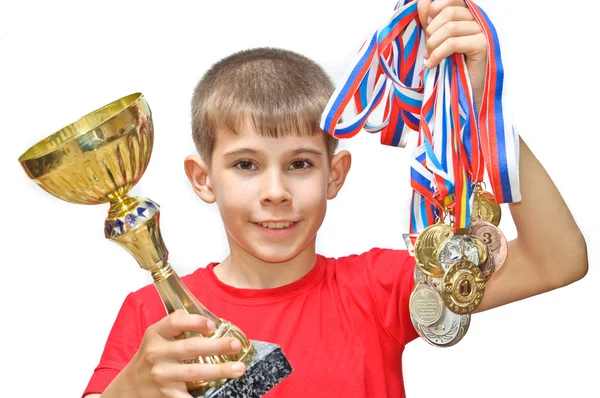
[[274, 188]]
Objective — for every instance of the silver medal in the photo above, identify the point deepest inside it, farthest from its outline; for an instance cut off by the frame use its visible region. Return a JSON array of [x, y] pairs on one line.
[[449, 330], [426, 304], [457, 248]]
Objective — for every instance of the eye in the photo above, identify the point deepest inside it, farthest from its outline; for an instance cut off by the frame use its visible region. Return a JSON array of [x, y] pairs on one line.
[[245, 165], [300, 164]]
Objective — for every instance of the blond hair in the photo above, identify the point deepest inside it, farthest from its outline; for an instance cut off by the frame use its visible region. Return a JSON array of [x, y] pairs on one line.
[[281, 93]]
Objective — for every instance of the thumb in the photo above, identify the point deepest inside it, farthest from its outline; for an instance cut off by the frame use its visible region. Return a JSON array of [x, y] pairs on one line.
[[423, 11]]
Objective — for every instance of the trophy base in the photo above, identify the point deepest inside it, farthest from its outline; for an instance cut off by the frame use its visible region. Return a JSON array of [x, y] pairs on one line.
[[266, 370]]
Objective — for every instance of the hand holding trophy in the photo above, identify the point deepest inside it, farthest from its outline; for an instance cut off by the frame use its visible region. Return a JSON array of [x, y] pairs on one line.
[[99, 159]]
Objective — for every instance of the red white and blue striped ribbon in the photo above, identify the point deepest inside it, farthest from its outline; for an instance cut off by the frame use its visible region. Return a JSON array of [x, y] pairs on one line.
[[454, 144]]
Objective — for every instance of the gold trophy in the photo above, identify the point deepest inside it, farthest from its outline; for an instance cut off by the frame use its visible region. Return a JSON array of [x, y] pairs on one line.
[[98, 159]]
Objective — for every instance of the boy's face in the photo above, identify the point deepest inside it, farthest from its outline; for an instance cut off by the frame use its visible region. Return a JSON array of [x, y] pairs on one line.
[[272, 192]]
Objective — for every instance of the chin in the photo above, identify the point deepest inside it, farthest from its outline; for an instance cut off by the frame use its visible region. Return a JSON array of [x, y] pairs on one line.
[[275, 256]]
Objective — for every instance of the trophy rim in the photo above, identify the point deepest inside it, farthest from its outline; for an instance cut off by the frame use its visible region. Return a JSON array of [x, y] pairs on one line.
[[89, 121]]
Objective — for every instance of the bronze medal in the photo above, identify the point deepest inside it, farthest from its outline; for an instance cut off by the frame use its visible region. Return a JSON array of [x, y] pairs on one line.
[[495, 241]]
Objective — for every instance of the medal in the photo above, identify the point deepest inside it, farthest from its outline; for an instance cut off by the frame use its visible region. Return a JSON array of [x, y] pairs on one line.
[[458, 247], [463, 287], [495, 241], [426, 304], [482, 249], [449, 330], [427, 246], [485, 207]]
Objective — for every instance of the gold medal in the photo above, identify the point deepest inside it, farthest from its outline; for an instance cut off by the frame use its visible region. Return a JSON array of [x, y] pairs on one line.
[[481, 249], [463, 287], [485, 207], [427, 246]]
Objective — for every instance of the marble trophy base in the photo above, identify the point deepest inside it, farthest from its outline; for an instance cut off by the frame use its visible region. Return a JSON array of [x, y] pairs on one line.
[[266, 370]]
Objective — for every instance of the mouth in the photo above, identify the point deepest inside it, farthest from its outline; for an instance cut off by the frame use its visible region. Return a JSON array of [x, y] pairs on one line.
[[276, 224]]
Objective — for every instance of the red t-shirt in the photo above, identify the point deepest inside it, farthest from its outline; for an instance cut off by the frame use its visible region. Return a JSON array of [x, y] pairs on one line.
[[343, 326]]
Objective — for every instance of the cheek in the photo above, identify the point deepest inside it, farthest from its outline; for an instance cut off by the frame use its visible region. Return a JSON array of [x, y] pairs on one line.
[[312, 195], [233, 198]]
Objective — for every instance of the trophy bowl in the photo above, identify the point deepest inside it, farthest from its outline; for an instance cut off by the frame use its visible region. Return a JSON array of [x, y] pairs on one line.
[[98, 158]]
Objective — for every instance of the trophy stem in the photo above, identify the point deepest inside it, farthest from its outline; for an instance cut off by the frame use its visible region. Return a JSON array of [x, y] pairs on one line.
[[176, 296], [134, 223]]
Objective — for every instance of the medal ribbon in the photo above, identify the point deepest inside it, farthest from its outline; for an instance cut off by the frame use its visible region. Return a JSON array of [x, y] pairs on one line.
[[438, 103]]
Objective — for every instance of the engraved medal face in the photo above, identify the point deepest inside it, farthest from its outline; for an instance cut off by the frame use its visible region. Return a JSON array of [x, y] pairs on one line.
[[445, 332], [427, 246], [425, 304], [484, 205], [463, 287], [457, 248], [494, 239]]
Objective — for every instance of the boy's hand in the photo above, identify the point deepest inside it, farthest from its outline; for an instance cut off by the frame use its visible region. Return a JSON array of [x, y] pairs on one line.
[[451, 28], [157, 370]]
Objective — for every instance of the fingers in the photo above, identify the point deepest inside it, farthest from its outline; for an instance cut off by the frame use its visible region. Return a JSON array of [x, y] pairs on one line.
[[448, 15], [440, 5], [423, 11], [179, 322], [461, 45], [194, 347], [428, 9], [451, 29], [169, 372]]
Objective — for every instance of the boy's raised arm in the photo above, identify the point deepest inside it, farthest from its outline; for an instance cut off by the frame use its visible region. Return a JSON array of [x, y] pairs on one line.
[[549, 251]]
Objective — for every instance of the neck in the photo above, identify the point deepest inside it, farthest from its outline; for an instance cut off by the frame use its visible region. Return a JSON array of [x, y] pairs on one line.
[[243, 270]]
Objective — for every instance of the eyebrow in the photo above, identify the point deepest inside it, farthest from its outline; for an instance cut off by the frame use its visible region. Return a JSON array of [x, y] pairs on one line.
[[250, 151]]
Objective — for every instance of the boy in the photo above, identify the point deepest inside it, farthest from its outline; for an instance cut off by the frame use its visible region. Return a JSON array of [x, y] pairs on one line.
[[342, 323]]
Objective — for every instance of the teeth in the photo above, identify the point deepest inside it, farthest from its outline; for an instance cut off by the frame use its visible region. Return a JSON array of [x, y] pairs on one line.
[[277, 225]]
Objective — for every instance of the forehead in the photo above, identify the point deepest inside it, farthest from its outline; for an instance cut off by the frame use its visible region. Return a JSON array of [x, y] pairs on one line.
[[248, 138]]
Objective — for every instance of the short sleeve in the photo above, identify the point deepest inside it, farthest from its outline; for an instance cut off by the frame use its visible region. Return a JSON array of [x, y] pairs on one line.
[[123, 342], [391, 275]]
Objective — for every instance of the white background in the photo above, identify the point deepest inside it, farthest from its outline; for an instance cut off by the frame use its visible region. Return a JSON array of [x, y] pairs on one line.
[[63, 283]]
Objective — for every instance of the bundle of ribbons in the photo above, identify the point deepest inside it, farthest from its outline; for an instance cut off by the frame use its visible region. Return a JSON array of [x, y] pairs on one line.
[[389, 91]]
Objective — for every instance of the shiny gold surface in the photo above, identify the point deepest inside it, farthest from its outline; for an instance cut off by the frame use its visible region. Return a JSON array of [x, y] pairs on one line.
[[427, 246], [485, 207], [463, 288], [98, 159], [482, 249]]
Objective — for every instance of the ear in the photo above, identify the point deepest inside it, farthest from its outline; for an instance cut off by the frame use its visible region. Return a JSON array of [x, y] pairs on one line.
[[197, 172], [340, 166]]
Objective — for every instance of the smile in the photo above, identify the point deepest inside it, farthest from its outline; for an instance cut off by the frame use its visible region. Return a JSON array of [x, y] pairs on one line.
[[276, 225]]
